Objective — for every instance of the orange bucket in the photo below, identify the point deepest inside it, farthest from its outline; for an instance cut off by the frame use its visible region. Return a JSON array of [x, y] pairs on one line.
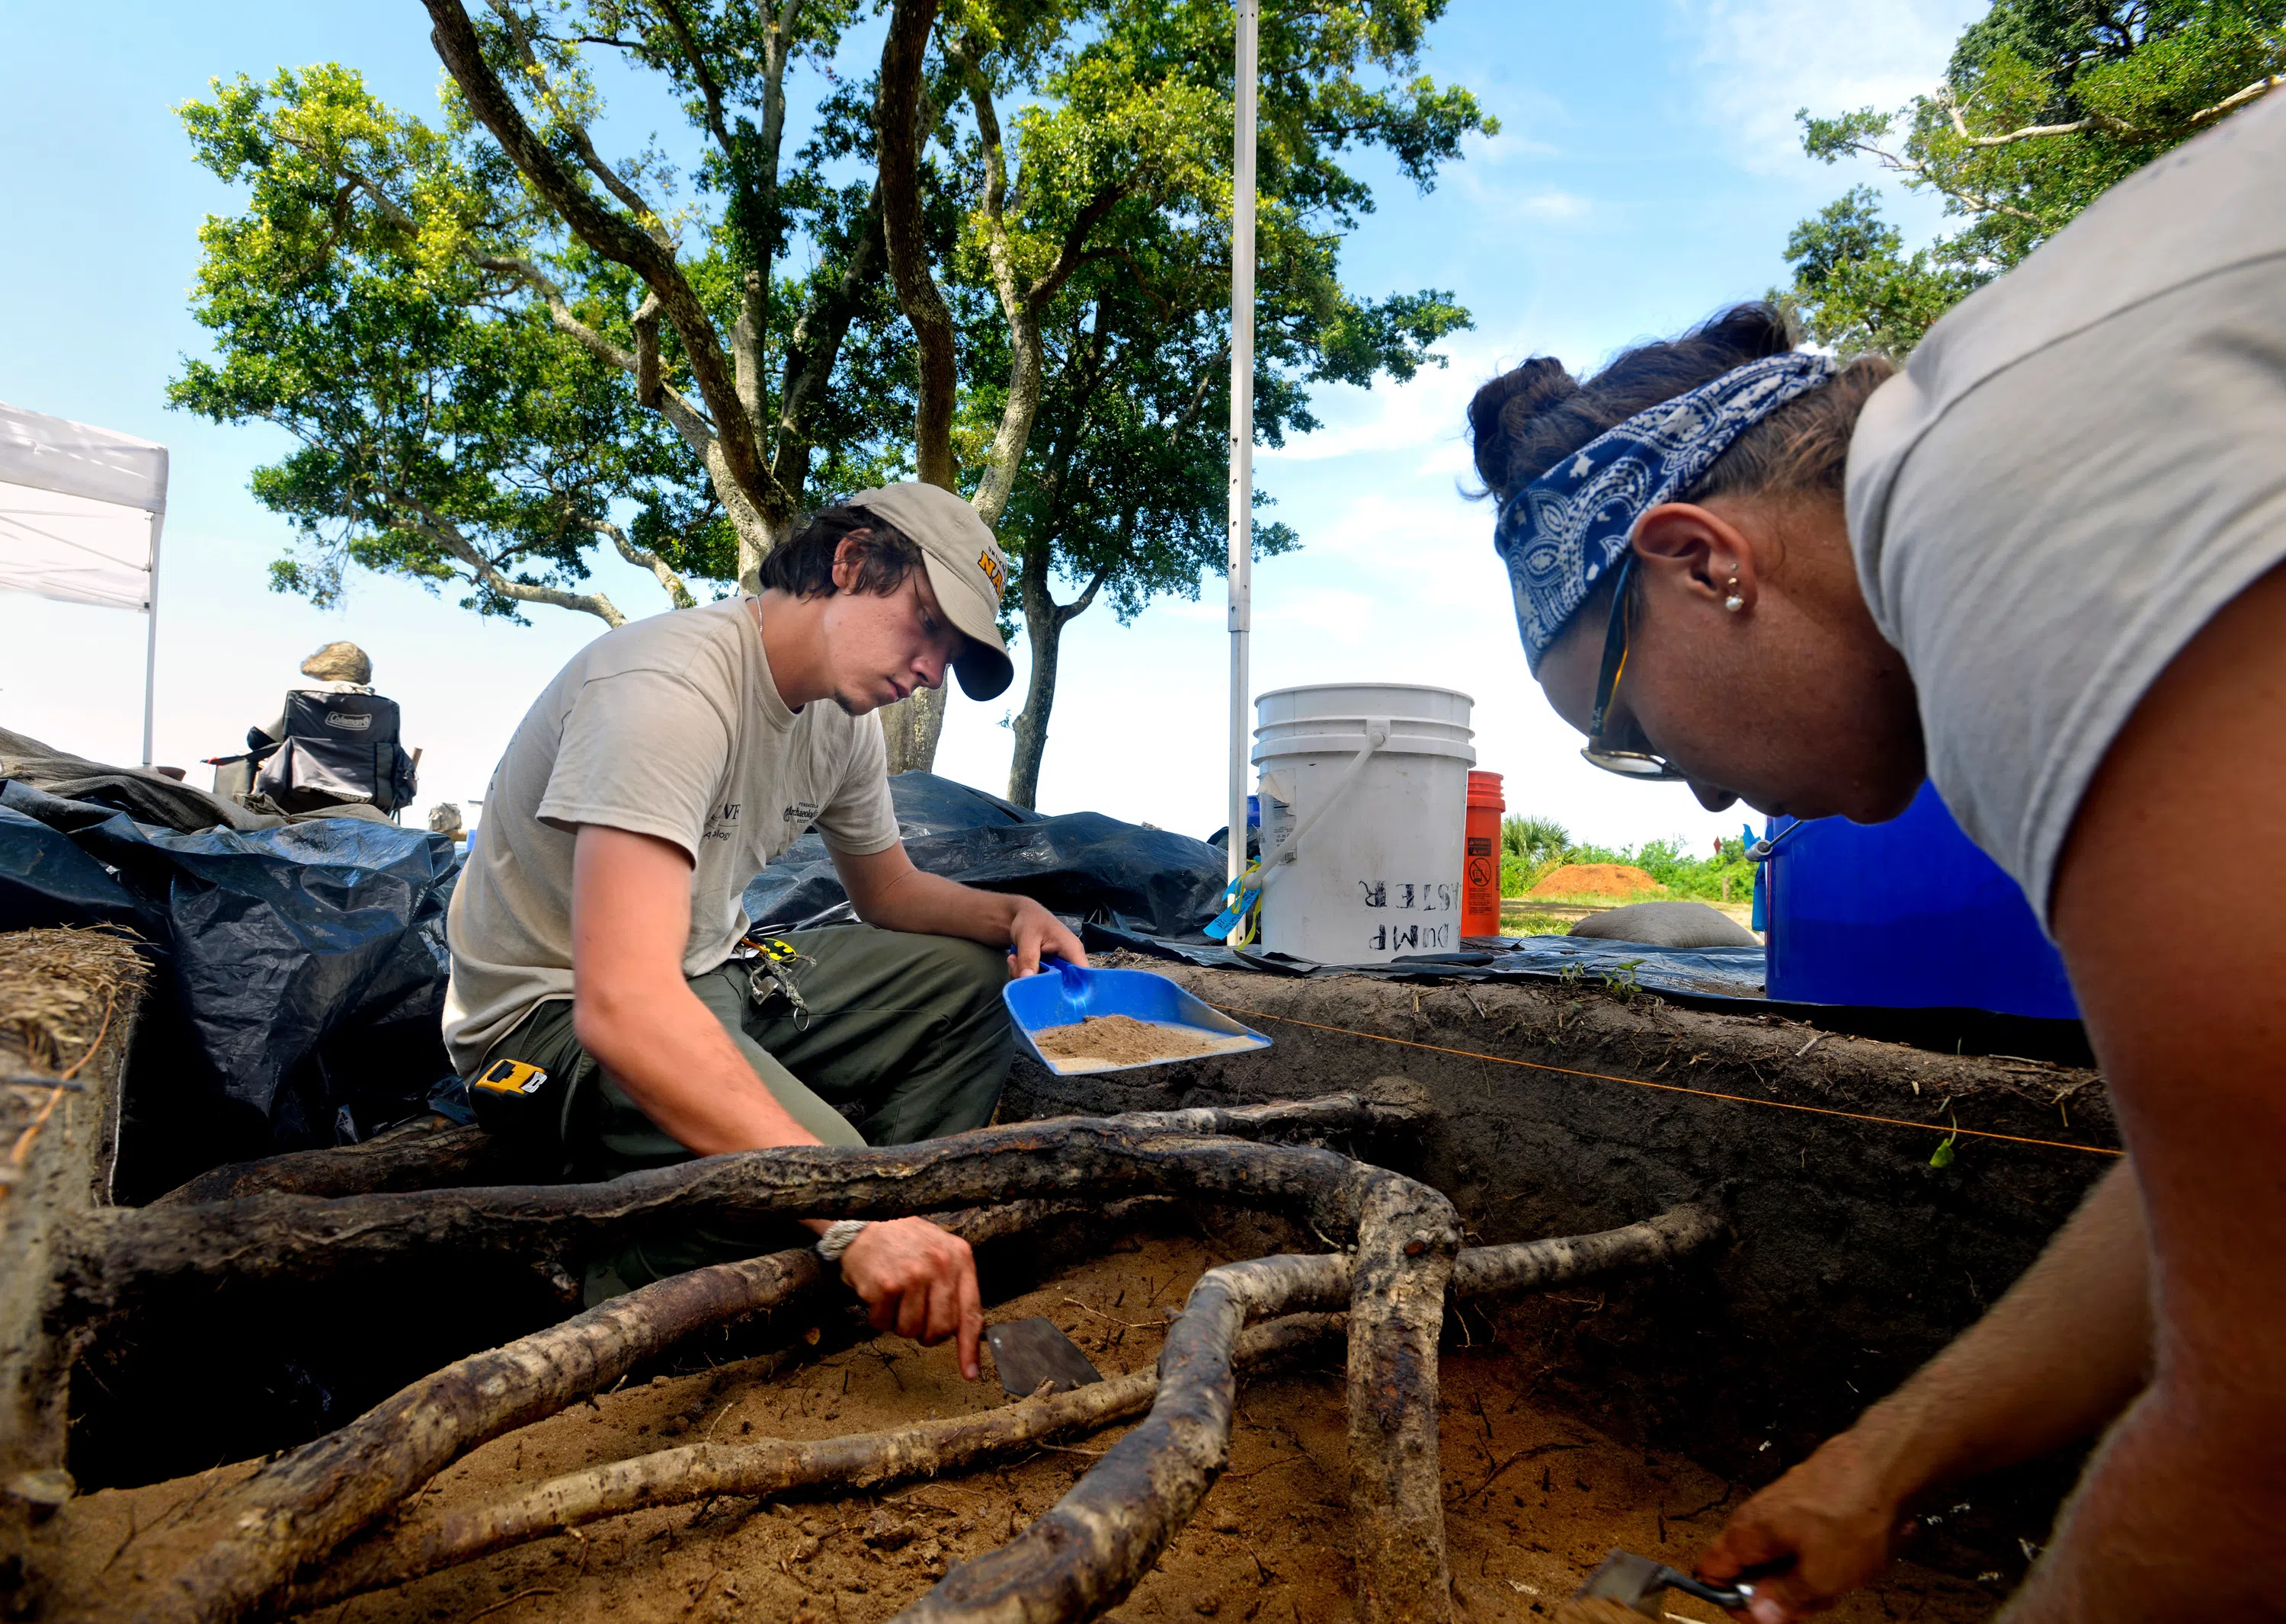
[[1480, 876]]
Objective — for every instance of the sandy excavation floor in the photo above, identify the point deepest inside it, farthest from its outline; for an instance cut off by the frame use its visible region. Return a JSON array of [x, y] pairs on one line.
[[1534, 1498]]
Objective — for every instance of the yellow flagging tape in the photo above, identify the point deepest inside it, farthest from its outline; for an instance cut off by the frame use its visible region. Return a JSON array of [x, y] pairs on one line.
[[1676, 1088]]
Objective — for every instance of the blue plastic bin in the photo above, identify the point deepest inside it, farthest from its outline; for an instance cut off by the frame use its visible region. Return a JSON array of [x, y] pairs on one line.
[[1064, 994], [1903, 915]]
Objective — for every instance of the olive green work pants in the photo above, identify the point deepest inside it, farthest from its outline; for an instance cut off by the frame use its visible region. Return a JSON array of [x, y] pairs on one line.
[[905, 1038]]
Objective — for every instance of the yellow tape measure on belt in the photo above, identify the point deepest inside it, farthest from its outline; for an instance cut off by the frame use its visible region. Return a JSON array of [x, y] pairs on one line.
[[511, 1077]]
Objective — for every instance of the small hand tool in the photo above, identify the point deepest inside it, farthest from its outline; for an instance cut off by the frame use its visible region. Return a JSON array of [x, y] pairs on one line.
[[1028, 1352], [1636, 1581], [1037, 1003]]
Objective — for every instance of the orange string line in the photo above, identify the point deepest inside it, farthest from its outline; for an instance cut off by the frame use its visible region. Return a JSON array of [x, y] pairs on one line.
[[1676, 1088]]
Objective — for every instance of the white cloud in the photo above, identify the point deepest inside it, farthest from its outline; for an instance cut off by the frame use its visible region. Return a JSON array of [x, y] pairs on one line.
[[1426, 410], [1759, 60], [1552, 204]]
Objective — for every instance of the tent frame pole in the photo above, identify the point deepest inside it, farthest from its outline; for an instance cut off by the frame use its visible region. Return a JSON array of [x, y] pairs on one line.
[[1241, 421], [151, 639]]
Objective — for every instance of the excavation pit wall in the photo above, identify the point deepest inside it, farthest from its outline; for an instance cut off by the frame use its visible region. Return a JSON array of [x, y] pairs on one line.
[[1854, 1257]]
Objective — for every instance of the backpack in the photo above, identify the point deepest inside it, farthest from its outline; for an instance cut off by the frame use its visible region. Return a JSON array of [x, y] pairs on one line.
[[338, 747]]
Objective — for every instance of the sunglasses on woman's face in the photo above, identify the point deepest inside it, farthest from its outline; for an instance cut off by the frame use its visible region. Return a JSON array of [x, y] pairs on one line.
[[1642, 765]]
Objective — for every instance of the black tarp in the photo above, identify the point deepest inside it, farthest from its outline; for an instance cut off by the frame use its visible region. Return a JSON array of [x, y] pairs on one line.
[[1725, 974], [1080, 864], [306, 963]]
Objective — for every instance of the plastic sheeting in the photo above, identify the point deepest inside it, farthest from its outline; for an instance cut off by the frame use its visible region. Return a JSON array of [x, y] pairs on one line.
[[1080, 864], [1713, 974], [307, 962], [80, 511]]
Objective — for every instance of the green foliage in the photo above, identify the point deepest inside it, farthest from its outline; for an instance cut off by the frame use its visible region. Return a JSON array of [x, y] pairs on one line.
[[1855, 288], [367, 302], [2046, 104], [1700, 878], [459, 368], [1533, 848], [1534, 840]]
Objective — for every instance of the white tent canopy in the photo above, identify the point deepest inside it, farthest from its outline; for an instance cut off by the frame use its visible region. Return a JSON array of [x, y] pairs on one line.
[[80, 514]]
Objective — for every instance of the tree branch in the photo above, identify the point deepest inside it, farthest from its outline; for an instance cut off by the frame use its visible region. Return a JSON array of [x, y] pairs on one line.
[[685, 419], [2119, 128], [899, 136], [1071, 257], [814, 350], [449, 537], [612, 180], [742, 482], [1903, 165], [651, 389], [1066, 613], [677, 591]]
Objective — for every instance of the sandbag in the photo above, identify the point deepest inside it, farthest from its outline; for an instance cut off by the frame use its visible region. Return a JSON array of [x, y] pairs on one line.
[[1668, 925]]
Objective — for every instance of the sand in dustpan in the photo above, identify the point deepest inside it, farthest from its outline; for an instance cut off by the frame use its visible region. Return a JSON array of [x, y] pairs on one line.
[[1103, 1041]]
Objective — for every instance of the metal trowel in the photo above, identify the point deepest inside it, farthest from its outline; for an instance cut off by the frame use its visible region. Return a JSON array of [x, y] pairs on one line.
[[1637, 1581], [1028, 1352]]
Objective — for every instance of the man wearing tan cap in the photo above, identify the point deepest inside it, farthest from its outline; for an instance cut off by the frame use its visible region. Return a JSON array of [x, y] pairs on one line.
[[604, 1006]]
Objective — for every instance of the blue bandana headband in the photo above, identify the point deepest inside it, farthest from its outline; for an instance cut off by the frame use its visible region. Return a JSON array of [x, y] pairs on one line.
[[1561, 532]]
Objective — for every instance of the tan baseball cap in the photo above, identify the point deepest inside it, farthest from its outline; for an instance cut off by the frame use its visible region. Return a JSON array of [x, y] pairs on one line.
[[966, 569]]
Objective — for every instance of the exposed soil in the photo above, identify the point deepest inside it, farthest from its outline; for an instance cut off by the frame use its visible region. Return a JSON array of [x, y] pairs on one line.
[[1622, 880], [1534, 1498], [1854, 1257], [1102, 1041]]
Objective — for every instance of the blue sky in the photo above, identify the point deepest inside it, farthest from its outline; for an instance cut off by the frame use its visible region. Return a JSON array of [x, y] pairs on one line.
[[1646, 173]]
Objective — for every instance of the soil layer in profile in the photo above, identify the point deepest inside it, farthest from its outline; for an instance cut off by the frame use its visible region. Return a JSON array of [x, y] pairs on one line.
[[1617, 880], [1103, 1041], [1534, 1498]]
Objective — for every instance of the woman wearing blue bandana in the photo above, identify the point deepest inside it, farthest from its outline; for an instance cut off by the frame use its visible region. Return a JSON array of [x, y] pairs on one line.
[[2041, 566]]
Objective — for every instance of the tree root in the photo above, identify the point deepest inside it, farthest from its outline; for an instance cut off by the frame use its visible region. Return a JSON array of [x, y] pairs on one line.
[[765, 1469], [426, 1154], [300, 1508], [1405, 1243], [773, 1466], [1088, 1550], [303, 1505], [1531, 1265], [120, 1255]]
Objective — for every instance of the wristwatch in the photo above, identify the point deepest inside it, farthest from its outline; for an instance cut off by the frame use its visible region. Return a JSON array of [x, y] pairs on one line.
[[837, 1238]]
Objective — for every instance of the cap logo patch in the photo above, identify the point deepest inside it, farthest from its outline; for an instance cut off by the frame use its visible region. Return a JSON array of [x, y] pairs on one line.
[[995, 569]]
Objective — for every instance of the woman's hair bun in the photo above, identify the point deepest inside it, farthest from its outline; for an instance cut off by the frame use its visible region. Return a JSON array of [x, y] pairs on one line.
[[1500, 412], [1526, 421]]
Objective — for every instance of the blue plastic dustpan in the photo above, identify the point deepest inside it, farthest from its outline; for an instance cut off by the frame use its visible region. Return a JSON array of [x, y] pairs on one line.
[[1065, 994]]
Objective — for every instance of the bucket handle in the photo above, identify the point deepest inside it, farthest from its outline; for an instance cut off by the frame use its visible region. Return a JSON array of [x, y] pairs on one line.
[[1376, 735]]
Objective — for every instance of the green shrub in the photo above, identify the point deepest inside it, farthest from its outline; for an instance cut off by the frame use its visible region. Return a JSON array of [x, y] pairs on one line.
[[1534, 839], [1532, 847]]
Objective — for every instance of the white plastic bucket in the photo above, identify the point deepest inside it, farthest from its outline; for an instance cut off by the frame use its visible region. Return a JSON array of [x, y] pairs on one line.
[[1365, 805]]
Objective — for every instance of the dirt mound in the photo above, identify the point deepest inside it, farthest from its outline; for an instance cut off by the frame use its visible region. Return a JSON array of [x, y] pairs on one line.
[[1621, 879]]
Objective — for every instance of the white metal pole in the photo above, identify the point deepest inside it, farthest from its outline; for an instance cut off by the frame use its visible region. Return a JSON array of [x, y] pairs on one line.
[[151, 640], [1241, 421]]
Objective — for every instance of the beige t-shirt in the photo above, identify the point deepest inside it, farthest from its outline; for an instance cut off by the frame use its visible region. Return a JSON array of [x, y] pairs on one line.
[[669, 727], [2081, 464]]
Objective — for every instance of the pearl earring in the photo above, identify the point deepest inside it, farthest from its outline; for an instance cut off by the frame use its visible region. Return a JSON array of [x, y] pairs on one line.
[[1734, 603]]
